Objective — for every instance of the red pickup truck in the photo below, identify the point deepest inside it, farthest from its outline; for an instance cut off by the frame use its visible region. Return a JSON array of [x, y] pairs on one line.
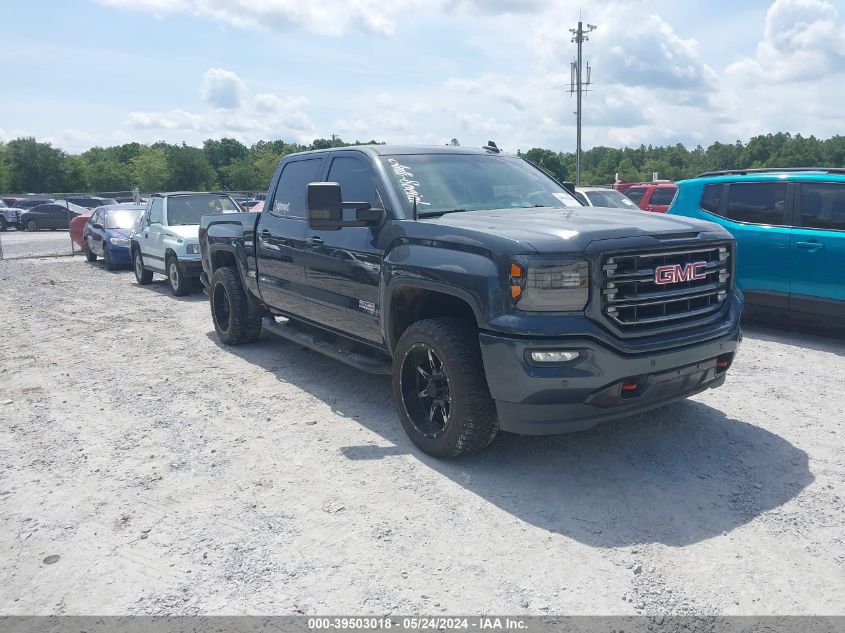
[[653, 196]]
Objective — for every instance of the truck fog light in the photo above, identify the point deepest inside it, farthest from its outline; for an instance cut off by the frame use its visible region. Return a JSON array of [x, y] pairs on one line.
[[554, 357]]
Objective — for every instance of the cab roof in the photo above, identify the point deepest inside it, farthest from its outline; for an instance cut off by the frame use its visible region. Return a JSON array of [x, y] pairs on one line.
[[397, 150], [788, 174]]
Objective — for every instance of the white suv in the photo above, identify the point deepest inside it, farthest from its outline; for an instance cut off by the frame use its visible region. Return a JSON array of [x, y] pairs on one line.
[[165, 239]]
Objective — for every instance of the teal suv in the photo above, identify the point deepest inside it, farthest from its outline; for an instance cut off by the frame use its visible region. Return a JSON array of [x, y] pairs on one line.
[[789, 226]]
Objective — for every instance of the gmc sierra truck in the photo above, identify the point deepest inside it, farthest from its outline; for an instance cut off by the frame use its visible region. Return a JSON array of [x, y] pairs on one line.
[[488, 293]]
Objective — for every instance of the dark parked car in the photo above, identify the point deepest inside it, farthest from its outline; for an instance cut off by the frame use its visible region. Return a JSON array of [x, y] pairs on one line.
[[48, 216], [494, 298], [90, 202], [29, 203]]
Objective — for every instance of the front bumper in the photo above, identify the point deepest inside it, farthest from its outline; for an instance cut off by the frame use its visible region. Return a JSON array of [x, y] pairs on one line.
[[534, 399], [119, 254], [190, 267]]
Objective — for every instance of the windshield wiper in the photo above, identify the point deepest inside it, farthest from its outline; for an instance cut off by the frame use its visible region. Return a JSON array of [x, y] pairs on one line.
[[432, 214]]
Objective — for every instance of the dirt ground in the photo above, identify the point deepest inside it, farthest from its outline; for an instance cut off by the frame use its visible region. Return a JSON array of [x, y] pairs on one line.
[[145, 469]]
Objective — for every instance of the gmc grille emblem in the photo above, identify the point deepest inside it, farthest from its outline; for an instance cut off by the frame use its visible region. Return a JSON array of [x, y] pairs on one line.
[[676, 273]]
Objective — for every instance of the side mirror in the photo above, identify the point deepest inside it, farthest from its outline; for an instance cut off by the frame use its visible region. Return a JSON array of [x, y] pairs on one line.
[[325, 206], [97, 225]]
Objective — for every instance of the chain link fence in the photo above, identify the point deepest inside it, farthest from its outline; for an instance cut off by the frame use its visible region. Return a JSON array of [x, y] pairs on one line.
[[42, 225]]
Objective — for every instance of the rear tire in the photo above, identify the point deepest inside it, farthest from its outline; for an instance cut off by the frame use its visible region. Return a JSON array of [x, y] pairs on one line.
[[31, 225], [234, 322], [440, 390], [3, 224], [142, 276]]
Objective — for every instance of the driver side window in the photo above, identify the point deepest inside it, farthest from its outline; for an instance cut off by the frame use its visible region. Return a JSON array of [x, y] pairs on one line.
[[157, 210]]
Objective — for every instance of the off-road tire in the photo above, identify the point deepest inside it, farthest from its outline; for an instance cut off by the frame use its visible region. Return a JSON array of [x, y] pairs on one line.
[[234, 321], [142, 275], [472, 421]]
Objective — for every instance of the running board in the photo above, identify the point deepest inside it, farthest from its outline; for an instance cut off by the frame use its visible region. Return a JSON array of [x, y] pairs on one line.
[[364, 362]]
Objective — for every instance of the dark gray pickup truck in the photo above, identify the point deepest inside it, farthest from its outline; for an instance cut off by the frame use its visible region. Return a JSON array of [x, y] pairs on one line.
[[492, 297]]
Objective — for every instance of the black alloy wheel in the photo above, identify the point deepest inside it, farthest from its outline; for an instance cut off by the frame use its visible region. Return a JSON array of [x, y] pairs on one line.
[[426, 391]]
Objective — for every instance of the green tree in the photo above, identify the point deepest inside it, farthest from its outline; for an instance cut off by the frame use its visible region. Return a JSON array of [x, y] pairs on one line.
[[223, 152], [149, 169], [548, 161], [109, 175], [78, 174], [188, 169], [35, 167], [5, 172]]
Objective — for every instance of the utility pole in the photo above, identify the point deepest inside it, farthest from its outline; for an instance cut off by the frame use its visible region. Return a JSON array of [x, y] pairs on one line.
[[578, 86]]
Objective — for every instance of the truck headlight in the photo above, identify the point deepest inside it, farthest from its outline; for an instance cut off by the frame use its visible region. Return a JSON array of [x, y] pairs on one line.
[[192, 249], [550, 286], [119, 241]]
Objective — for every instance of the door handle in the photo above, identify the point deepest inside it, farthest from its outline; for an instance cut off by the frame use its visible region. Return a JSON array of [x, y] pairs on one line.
[[265, 232], [810, 246], [315, 241], [146, 234]]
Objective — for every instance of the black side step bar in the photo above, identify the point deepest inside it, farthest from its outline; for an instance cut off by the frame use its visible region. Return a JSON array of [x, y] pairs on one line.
[[364, 362]]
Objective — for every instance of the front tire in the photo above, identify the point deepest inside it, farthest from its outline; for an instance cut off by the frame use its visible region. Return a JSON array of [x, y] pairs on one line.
[[234, 322], [179, 284], [107, 260], [142, 276], [3, 224], [90, 255], [32, 225], [440, 390]]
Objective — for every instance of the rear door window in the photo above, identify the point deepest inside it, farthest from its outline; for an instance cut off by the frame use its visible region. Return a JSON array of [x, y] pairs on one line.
[[757, 202], [662, 195], [635, 194], [823, 206], [711, 198], [289, 201]]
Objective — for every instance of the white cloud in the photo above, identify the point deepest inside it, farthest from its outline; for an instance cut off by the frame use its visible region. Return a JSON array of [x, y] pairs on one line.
[[233, 114], [326, 17], [802, 41], [222, 88]]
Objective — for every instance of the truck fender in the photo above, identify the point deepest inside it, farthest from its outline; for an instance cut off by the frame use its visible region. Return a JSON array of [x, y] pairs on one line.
[[228, 237], [468, 276]]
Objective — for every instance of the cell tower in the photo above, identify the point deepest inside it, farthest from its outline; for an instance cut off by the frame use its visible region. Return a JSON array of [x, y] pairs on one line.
[[578, 87]]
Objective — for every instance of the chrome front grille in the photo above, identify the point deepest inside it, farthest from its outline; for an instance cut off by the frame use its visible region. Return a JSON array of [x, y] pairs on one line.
[[697, 286]]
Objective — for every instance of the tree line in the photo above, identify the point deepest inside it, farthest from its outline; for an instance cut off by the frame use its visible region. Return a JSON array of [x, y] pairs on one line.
[[27, 165]]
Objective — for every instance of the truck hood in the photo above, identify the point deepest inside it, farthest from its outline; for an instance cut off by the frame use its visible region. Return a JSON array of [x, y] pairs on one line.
[[554, 230]]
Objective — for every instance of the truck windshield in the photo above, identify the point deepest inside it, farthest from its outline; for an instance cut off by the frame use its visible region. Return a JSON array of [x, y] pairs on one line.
[[182, 210], [443, 183]]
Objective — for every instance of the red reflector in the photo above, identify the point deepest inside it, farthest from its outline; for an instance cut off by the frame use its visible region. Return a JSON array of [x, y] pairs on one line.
[[721, 363], [629, 385]]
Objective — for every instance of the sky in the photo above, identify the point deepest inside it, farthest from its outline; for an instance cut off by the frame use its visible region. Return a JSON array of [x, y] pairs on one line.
[[81, 73]]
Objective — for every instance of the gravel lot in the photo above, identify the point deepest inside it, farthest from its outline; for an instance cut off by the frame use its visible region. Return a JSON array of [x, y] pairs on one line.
[[144, 469]]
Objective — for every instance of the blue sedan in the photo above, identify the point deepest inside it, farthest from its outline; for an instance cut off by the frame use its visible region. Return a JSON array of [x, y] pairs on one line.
[[106, 234]]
